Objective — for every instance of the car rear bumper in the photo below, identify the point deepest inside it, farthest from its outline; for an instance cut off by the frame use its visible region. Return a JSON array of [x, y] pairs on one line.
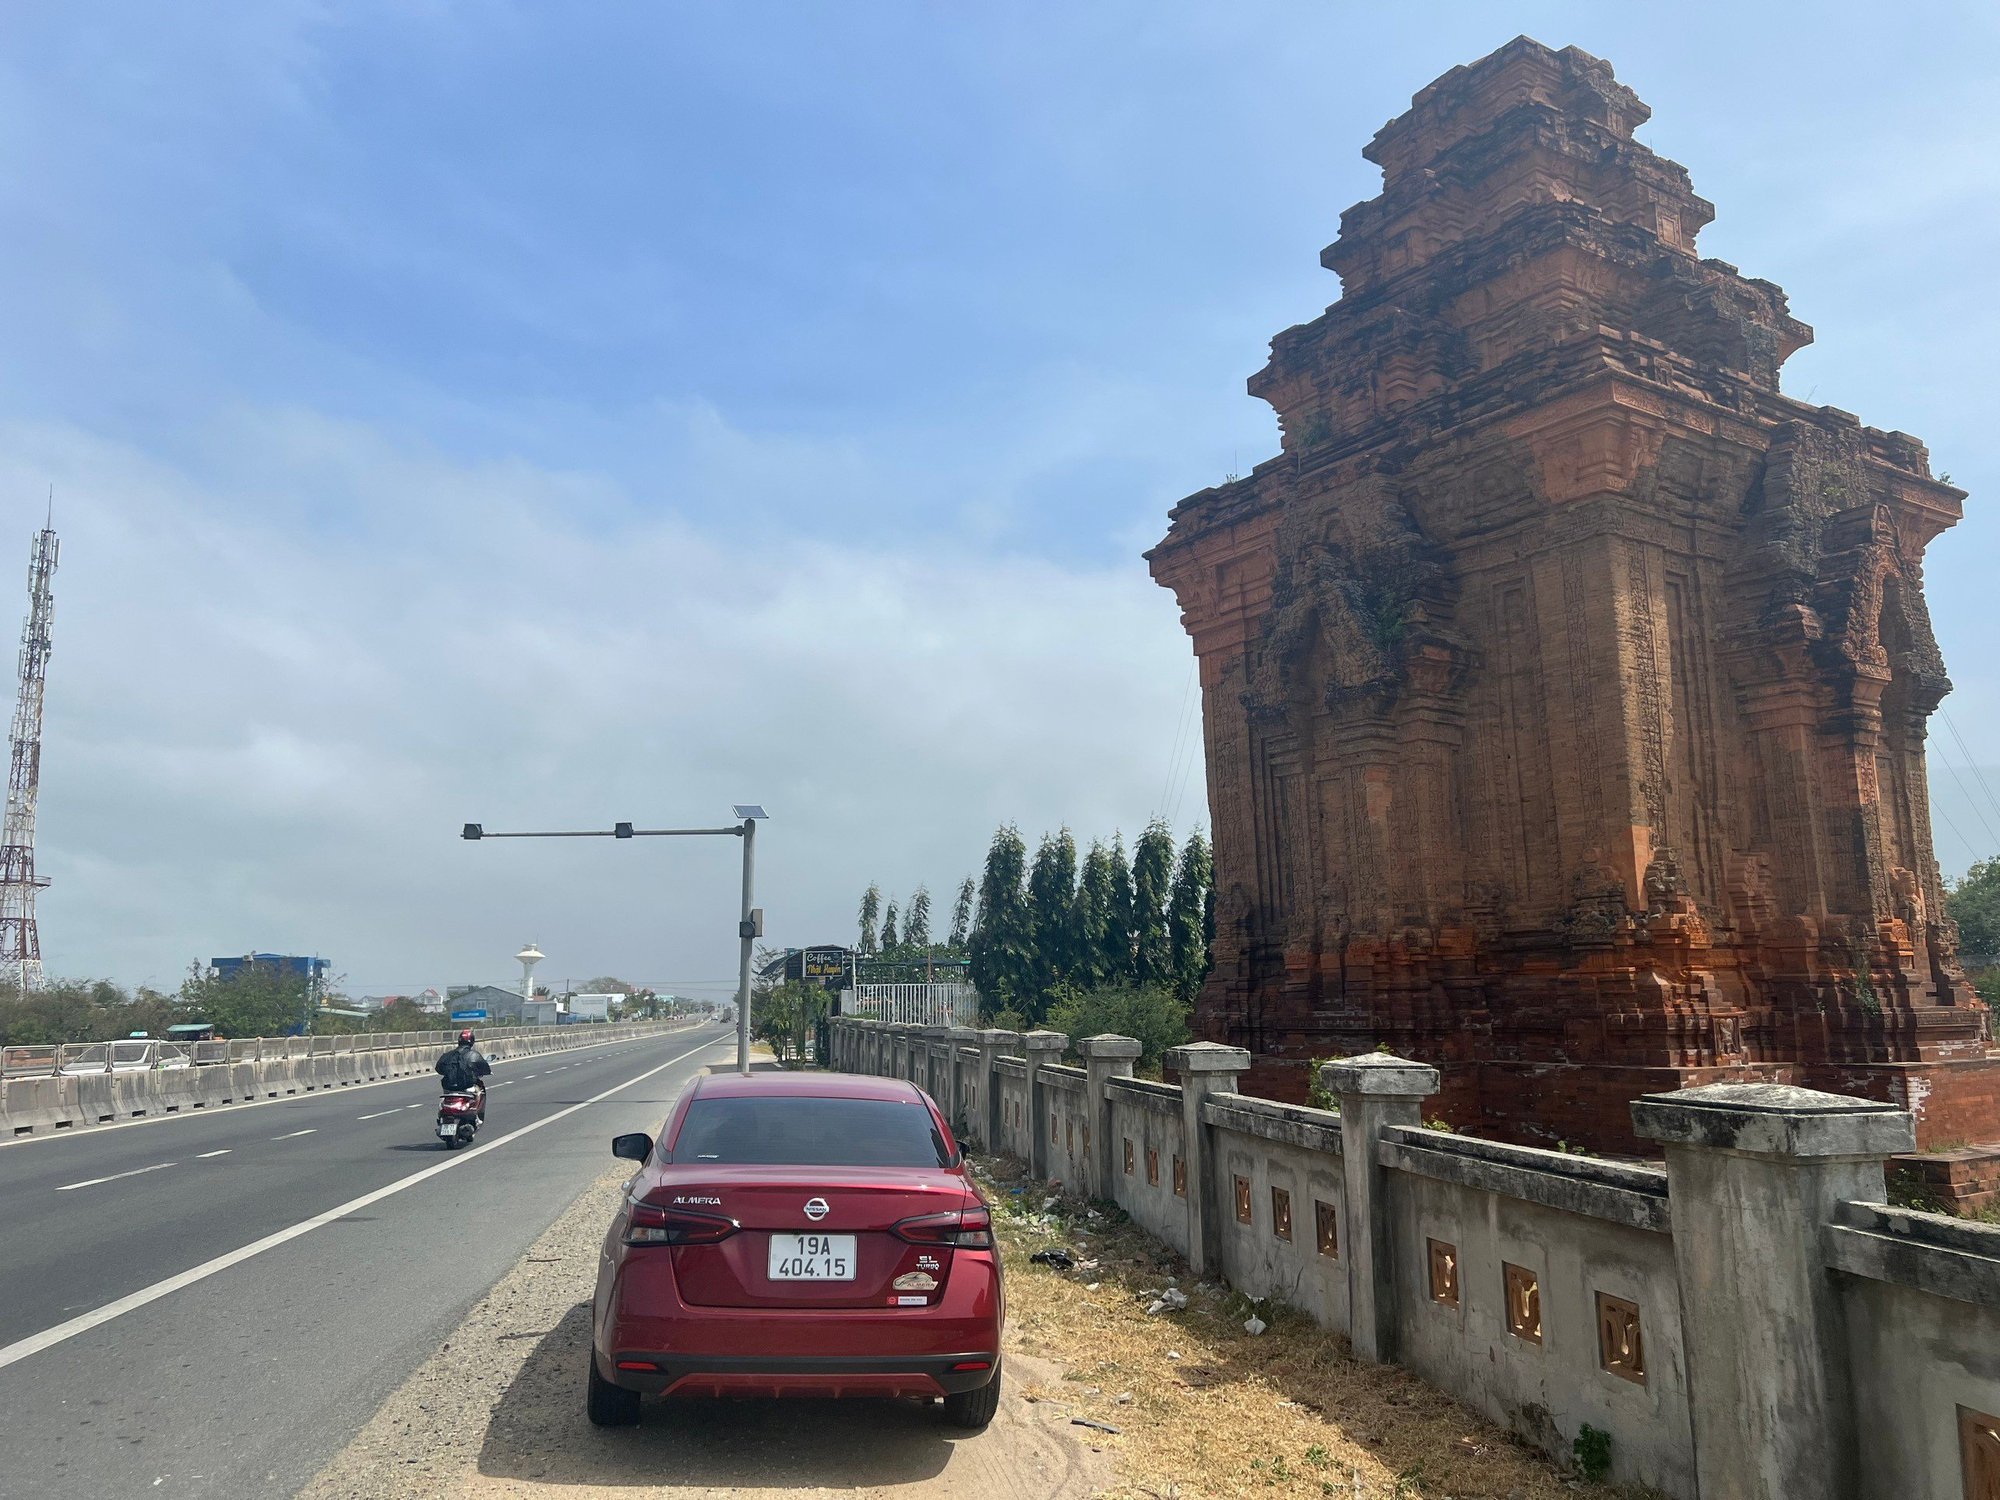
[[760, 1375], [765, 1351]]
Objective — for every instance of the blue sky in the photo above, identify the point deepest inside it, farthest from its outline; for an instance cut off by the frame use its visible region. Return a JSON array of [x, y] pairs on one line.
[[540, 412]]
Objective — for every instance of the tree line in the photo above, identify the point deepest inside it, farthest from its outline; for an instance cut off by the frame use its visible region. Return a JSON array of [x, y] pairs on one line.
[[259, 999], [886, 932], [1974, 904], [1041, 932], [1056, 924]]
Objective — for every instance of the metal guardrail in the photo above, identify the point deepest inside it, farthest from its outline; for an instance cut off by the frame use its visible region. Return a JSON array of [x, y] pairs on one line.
[[127, 1056], [27, 1062], [141, 1055]]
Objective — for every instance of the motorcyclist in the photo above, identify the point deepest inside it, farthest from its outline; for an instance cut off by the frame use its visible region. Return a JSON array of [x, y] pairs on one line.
[[464, 1068]]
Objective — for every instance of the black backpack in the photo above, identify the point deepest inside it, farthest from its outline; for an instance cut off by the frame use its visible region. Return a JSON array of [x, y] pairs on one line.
[[457, 1070]]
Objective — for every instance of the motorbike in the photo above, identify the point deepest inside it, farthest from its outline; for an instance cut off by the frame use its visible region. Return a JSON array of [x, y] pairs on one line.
[[458, 1118]]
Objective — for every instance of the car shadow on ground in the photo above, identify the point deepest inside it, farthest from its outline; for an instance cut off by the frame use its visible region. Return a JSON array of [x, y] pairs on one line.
[[539, 1433]]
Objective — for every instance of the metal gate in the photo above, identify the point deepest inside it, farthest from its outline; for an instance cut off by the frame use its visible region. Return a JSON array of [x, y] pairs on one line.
[[922, 1004]]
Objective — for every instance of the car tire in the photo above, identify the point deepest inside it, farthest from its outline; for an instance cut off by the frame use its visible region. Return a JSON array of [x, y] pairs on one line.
[[610, 1405], [972, 1410]]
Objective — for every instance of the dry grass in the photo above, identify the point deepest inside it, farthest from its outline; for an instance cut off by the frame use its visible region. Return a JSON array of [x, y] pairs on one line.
[[1204, 1409]]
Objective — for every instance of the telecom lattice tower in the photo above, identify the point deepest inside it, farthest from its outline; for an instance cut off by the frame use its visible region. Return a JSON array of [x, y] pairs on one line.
[[20, 944]]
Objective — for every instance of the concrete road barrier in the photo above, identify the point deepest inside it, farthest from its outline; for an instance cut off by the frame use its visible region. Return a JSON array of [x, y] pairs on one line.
[[267, 1068]]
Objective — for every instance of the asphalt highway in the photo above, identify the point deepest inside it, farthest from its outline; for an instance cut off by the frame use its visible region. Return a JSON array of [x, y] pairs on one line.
[[199, 1306]]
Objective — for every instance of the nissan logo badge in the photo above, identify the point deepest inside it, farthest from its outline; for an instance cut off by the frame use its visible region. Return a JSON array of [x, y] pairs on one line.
[[816, 1209]]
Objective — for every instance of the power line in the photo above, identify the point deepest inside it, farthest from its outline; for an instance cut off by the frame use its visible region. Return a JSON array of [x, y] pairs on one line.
[[1197, 753], [1180, 732], [1938, 751], [1955, 833], [1970, 763]]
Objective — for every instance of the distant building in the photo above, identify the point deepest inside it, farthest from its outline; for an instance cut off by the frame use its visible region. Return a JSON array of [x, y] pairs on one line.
[[593, 1007], [540, 1013], [287, 963], [499, 1004]]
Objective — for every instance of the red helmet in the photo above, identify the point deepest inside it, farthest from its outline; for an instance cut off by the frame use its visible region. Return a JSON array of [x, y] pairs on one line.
[[465, 1037]]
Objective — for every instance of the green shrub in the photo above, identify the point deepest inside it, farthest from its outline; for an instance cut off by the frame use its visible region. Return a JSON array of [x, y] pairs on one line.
[[1318, 1095], [787, 1016], [1154, 1016]]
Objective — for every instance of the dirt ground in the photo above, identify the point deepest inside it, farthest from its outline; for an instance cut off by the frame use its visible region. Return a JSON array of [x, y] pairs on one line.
[[1186, 1404], [498, 1411], [1206, 1409]]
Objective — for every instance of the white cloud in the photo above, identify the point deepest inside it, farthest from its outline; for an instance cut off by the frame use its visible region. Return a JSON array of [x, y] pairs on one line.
[[277, 691]]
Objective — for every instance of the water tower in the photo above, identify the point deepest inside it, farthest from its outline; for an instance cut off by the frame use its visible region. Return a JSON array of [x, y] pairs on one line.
[[528, 957]]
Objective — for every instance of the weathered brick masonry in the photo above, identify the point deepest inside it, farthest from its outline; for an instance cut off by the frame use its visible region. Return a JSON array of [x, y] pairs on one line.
[[1564, 683]]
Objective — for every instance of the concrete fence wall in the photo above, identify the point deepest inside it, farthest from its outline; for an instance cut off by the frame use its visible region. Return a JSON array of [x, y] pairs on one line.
[[1750, 1321], [264, 1068]]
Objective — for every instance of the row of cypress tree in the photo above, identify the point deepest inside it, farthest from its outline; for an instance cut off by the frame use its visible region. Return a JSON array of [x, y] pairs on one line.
[[907, 934], [1057, 924]]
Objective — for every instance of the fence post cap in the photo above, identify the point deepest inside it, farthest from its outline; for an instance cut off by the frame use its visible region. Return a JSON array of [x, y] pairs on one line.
[[998, 1036], [1045, 1041], [1207, 1057], [1379, 1073], [1774, 1119], [1109, 1047]]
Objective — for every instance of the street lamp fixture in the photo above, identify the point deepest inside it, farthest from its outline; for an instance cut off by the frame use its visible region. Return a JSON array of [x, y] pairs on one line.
[[748, 929]]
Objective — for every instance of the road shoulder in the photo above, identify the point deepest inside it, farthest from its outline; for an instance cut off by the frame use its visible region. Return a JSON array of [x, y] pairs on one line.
[[498, 1411]]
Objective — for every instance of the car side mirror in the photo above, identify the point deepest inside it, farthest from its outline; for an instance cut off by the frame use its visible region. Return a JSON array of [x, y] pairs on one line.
[[634, 1147]]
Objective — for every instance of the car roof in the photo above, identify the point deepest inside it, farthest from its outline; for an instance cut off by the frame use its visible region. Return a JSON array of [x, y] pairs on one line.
[[803, 1086]]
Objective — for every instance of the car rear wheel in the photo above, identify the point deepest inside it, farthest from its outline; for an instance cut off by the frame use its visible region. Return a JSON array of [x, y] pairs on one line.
[[972, 1410], [610, 1405]]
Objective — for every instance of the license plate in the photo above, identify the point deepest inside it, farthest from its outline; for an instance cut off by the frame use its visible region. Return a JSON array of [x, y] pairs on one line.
[[812, 1257], [447, 1131]]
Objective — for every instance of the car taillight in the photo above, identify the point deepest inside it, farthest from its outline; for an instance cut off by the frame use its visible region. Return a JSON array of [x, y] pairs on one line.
[[650, 1224], [967, 1229]]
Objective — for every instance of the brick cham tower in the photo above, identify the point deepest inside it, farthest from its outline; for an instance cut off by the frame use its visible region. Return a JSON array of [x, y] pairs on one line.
[[1564, 684]]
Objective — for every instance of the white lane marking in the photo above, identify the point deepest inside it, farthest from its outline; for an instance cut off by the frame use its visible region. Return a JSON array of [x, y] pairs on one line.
[[48, 1338], [70, 1187], [381, 1112], [418, 1105], [294, 1135], [207, 1154]]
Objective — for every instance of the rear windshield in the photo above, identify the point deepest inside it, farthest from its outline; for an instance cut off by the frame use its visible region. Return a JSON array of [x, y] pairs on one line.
[[793, 1131]]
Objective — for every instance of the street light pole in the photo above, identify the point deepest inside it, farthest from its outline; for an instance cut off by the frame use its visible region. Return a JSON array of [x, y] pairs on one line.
[[747, 929]]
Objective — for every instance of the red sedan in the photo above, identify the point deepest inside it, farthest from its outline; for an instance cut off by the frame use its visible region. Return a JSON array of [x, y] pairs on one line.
[[798, 1235]]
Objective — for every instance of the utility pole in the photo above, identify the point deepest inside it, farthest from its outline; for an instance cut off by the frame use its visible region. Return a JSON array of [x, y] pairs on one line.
[[20, 942], [749, 928]]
